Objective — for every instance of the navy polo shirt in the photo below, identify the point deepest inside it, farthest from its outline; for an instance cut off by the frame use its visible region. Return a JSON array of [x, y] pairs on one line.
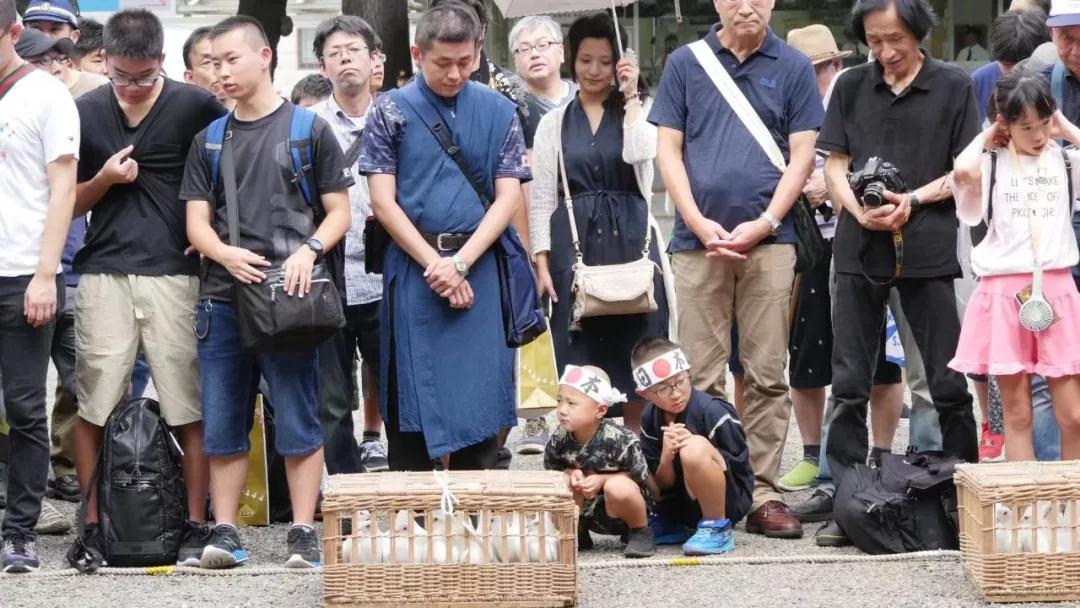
[[1070, 105], [985, 80], [731, 178]]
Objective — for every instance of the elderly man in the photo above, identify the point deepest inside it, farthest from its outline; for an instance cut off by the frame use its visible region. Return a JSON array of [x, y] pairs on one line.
[[880, 110], [733, 255], [537, 45]]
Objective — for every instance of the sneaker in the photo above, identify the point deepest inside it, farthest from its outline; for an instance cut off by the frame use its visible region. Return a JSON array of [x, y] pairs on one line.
[[303, 547], [65, 487], [584, 539], [667, 531], [224, 549], [193, 540], [803, 475], [641, 543], [87, 553], [3, 485], [51, 520], [830, 535], [991, 445], [818, 507], [19, 553], [535, 438], [504, 458], [373, 456], [713, 537]]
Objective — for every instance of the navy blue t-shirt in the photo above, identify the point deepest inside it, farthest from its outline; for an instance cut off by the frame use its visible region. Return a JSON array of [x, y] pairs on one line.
[[985, 79], [717, 421], [731, 178]]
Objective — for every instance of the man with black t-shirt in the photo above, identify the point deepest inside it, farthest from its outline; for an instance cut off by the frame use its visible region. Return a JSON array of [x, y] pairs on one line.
[[138, 286], [277, 228], [917, 113]]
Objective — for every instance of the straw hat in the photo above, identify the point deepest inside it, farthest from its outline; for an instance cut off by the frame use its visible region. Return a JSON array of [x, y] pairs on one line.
[[817, 42]]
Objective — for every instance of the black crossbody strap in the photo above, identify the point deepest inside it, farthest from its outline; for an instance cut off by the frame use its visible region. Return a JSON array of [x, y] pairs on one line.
[[353, 153], [442, 134], [990, 192], [8, 83], [1068, 179], [228, 176]]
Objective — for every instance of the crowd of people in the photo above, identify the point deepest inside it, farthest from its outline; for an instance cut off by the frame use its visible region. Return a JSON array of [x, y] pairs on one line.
[[138, 207]]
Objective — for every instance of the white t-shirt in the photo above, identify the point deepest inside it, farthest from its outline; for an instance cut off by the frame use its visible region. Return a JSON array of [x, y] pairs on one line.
[[1029, 198], [38, 124]]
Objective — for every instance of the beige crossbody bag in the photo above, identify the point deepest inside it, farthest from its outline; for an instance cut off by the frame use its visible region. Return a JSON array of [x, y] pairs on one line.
[[612, 289]]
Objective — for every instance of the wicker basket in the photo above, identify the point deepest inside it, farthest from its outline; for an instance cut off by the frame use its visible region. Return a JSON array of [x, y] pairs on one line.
[[1020, 529], [385, 557]]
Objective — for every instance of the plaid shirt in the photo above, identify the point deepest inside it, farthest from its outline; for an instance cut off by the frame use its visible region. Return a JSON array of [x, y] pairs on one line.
[[361, 287]]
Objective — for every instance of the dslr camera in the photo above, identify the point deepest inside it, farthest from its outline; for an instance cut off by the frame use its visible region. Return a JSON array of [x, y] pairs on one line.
[[874, 179]]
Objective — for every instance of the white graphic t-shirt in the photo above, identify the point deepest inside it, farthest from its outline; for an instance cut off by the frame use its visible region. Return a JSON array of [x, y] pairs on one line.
[[1029, 198]]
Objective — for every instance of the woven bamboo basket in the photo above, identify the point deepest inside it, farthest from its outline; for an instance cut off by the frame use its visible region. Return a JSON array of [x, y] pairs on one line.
[[1020, 529], [388, 541]]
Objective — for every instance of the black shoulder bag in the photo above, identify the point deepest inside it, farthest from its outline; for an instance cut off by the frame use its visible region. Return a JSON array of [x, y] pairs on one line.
[[269, 319]]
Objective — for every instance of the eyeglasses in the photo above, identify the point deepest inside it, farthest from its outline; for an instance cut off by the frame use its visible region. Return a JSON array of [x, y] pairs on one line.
[[142, 82], [540, 46], [667, 389], [46, 61], [339, 54], [379, 56]]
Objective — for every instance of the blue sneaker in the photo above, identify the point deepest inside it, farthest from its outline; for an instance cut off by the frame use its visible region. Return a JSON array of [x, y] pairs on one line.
[[303, 547], [667, 531], [19, 553], [713, 537], [224, 549]]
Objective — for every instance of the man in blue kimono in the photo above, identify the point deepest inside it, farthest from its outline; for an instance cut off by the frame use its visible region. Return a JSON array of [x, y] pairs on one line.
[[446, 369]]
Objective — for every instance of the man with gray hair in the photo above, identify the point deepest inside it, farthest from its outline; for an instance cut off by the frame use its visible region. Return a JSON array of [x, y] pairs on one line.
[[536, 43]]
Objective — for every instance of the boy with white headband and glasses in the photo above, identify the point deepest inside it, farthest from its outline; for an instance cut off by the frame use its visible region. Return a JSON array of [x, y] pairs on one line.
[[603, 462], [696, 450]]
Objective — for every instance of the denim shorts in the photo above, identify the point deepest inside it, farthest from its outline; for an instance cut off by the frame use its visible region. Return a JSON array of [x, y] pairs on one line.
[[230, 378]]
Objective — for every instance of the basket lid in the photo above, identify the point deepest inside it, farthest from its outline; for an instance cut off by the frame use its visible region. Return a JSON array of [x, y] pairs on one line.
[[1017, 474]]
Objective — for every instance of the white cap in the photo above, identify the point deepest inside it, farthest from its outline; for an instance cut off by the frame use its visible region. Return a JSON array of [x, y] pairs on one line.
[[1064, 13]]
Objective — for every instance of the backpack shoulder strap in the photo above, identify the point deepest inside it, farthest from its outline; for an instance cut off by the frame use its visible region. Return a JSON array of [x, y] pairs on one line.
[[1057, 83], [215, 137], [990, 191], [300, 149], [1068, 179]]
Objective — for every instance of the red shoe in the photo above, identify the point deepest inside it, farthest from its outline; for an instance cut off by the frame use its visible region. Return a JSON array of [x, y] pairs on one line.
[[991, 446]]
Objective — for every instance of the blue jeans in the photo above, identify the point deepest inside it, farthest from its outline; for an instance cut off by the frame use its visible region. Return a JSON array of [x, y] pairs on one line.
[[140, 375], [1044, 428], [230, 377]]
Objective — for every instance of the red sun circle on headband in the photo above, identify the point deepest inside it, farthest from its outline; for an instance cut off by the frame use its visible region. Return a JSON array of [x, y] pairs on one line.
[[573, 375], [661, 368]]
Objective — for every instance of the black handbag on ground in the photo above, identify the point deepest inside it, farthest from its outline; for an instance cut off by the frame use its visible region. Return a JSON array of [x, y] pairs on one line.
[[269, 319]]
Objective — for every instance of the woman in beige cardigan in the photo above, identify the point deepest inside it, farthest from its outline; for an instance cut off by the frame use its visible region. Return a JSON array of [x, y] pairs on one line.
[[609, 150]]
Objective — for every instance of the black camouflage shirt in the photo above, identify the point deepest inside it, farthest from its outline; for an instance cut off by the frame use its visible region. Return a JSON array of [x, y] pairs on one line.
[[613, 449]]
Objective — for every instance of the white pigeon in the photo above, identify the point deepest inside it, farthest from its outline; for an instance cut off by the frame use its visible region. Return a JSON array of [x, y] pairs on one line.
[[1002, 528]]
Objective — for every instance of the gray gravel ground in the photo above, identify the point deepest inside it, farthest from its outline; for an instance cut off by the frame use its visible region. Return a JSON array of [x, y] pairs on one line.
[[930, 584]]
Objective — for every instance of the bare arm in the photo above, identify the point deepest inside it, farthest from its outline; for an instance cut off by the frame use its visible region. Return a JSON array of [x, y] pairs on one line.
[[798, 171], [40, 301], [506, 205], [242, 264], [669, 156]]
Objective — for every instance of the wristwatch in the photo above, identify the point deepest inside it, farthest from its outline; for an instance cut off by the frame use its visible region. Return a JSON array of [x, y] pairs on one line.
[[460, 266], [774, 224], [916, 204], [315, 245]]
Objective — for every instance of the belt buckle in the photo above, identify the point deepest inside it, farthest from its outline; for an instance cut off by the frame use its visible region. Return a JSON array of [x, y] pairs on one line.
[[439, 243]]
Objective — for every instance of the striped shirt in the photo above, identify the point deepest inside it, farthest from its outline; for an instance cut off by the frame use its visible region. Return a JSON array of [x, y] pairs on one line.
[[361, 287]]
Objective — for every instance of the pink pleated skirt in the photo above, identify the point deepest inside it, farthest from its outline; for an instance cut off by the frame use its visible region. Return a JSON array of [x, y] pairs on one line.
[[993, 342]]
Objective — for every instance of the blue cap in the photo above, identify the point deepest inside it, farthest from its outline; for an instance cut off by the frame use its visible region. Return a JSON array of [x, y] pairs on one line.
[[58, 11]]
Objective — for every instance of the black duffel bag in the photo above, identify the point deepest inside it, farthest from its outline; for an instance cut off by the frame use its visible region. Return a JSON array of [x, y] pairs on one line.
[[271, 320], [909, 504]]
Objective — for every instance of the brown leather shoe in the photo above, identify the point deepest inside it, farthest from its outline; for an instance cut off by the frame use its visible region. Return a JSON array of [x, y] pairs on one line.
[[774, 520]]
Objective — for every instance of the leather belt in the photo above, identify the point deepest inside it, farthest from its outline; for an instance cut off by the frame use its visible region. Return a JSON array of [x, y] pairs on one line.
[[447, 241]]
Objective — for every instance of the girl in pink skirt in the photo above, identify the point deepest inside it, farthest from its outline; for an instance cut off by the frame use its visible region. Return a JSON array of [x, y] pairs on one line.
[[1024, 317]]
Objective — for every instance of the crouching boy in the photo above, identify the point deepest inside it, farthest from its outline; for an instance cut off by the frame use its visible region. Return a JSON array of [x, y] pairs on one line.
[[603, 462], [696, 451]]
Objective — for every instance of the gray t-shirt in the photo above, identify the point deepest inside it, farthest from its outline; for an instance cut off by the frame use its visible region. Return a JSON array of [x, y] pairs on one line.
[[274, 217]]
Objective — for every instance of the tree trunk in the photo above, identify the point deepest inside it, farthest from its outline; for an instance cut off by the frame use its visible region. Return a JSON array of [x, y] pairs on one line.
[[270, 14], [390, 20]]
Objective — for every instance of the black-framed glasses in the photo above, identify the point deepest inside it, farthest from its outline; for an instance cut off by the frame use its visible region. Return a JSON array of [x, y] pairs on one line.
[[142, 82], [338, 54], [667, 388], [540, 45], [45, 61]]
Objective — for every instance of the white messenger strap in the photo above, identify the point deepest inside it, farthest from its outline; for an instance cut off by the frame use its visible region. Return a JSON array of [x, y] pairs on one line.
[[738, 102]]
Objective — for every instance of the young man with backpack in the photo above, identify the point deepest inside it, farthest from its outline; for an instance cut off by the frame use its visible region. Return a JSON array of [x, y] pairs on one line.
[[275, 204], [138, 285], [40, 150]]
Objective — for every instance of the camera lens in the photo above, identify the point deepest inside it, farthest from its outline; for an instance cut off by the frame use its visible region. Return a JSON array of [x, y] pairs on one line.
[[874, 195]]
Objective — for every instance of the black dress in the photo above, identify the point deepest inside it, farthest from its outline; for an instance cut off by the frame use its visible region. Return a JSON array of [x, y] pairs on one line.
[[611, 221]]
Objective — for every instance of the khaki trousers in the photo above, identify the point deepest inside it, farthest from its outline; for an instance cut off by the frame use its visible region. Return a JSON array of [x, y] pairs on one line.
[[756, 293]]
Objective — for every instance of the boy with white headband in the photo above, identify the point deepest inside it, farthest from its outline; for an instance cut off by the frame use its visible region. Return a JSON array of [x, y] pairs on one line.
[[696, 450], [603, 462]]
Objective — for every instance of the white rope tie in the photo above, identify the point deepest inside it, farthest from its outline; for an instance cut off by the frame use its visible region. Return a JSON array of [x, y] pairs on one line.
[[446, 502]]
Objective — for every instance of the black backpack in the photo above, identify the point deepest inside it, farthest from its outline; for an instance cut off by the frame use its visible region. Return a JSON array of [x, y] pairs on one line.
[[908, 504], [142, 503]]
